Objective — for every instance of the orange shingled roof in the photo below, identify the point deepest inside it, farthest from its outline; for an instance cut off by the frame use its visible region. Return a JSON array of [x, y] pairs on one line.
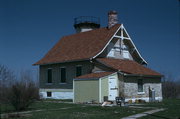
[[80, 46], [127, 66], [94, 75]]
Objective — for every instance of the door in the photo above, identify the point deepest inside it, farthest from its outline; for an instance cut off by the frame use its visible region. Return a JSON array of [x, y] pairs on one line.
[[113, 88]]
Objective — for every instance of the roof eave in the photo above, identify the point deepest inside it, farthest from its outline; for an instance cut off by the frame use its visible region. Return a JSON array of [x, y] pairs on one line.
[[93, 78], [85, 79], [60, 62], [121, 26], [143, 60], [106, 44], [142, 75]]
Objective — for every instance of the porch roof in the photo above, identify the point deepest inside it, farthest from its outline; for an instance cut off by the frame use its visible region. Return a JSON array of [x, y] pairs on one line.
[[94, 75], [127, 66]]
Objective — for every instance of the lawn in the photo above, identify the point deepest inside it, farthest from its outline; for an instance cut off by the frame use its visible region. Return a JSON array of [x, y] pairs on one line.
[[60, 110], [172, 111], [55, 110], [78, 111]]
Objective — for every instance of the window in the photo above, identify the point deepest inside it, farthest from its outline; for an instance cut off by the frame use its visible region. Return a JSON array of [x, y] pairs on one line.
[[63, 75], [78, 70], [126, 54], [49, 94], [125, 47], [49, 76], [117, 48], [140, 85]]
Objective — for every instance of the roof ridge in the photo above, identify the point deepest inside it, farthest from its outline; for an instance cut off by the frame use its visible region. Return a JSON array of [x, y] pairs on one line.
[[94, 30]]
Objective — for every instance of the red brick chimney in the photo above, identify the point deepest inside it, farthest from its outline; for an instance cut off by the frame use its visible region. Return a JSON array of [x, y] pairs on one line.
[[112, 18]]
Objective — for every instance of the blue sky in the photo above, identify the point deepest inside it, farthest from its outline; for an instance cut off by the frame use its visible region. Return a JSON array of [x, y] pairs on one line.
[[29, 28]]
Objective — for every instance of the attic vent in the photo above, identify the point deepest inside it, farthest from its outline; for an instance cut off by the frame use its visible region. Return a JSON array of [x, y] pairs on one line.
[[86, 23]]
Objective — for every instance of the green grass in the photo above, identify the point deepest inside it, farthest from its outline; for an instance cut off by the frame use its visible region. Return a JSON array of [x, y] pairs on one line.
[[58, 110], [77, 111], [172, 111], [6, 108], [59, 100]]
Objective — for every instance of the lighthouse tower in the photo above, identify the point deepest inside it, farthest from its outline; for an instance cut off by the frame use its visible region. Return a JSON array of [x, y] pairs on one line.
[[86, 23]]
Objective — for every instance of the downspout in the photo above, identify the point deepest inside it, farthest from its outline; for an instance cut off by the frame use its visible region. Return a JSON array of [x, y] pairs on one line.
[[99, 90]]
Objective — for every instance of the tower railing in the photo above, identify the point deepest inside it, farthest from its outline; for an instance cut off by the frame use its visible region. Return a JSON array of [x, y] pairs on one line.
[[86, 19]]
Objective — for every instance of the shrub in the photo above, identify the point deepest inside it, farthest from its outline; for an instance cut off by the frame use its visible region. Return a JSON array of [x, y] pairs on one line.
[[21, 95], [19, 91]]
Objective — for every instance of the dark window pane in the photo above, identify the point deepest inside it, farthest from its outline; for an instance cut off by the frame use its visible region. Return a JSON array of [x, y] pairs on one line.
[[49, 75], [63, 75], [140, 85], [78, 71], [49, 94]]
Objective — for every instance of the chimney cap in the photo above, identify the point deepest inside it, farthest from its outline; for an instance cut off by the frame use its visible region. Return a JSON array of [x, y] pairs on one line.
[[112, 12]]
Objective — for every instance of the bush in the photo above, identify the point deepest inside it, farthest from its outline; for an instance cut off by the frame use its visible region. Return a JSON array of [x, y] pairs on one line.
[[21, 95], [20, 91]]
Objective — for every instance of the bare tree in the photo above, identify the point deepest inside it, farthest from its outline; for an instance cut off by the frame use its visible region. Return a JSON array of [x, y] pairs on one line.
[[21, 95], [24, 92], [170, 87], [19, 91], [7, 79]]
